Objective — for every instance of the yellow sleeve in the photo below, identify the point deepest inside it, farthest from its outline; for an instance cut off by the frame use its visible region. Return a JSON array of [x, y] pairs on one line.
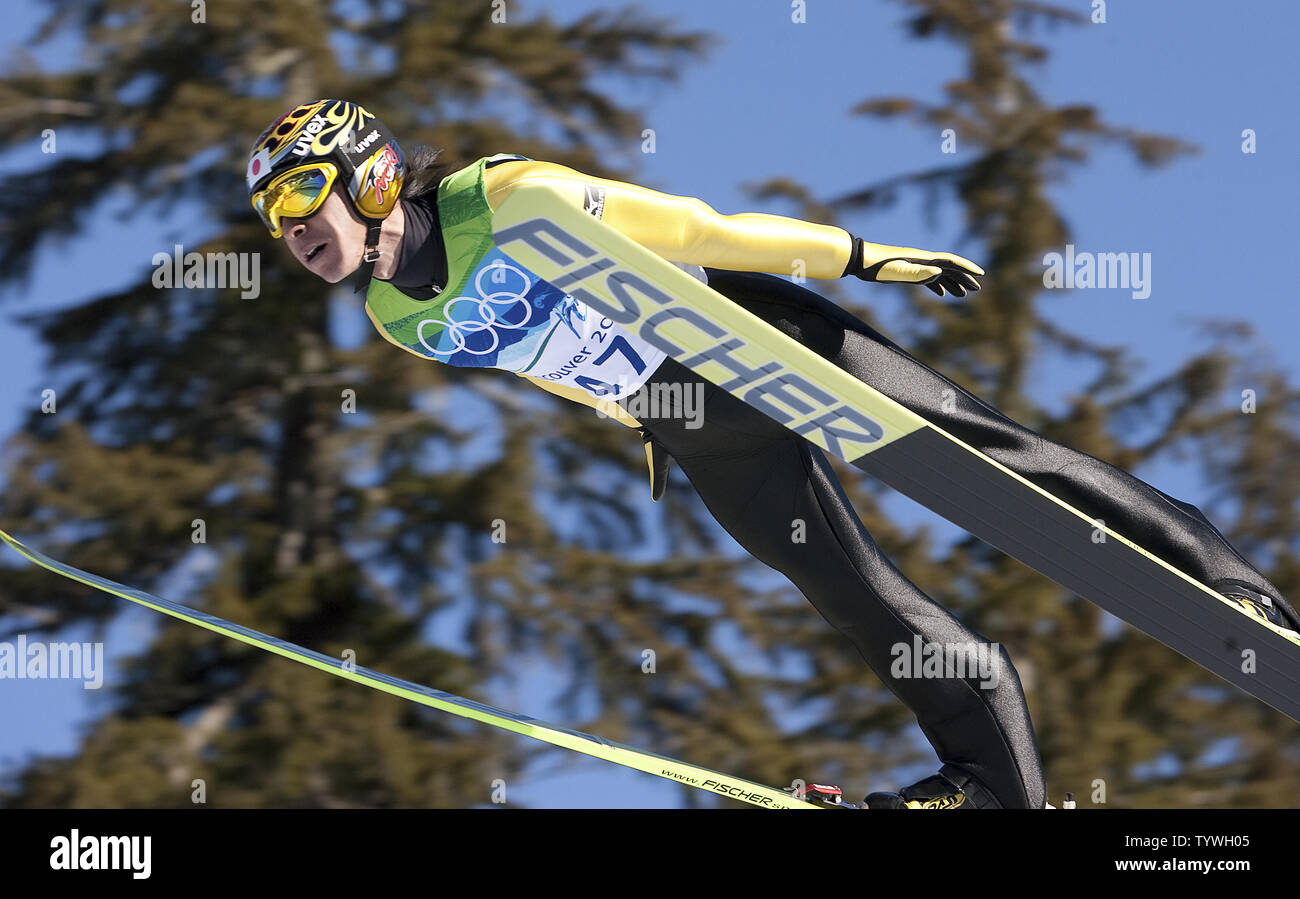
[[684, 229]]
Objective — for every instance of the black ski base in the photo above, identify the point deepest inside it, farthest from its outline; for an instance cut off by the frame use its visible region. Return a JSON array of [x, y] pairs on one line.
[[1002, 511]]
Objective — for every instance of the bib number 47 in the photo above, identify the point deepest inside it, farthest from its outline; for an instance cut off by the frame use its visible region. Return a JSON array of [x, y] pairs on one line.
[[617, 344]]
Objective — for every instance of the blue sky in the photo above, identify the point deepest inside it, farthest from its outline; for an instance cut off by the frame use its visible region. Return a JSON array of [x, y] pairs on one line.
[[773, 99]]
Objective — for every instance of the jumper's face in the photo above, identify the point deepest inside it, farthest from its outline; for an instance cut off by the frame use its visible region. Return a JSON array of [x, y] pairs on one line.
[[330, 242]]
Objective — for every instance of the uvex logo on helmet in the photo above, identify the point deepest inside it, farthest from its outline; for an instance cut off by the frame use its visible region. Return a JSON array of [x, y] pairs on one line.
[[317, 124], [360, 146]]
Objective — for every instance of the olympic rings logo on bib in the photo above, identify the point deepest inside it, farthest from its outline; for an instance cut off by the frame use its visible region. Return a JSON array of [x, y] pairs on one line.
[[493, 307]]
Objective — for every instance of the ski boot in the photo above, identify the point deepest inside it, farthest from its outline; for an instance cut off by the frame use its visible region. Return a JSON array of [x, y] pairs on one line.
[[951, 788], [1257, 605]]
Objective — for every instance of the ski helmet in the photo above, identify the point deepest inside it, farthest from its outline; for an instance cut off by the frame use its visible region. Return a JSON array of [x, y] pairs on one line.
[[321, 142], [302, 154]]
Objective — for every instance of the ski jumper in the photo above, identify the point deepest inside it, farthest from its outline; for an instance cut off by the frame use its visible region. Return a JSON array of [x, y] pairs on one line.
[[479, 307]]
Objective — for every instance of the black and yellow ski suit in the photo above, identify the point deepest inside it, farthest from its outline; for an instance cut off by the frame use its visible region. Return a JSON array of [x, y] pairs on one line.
[[756, 477]]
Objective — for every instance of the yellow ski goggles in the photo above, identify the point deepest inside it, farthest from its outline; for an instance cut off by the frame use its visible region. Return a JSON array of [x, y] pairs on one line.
[[297, 193]]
